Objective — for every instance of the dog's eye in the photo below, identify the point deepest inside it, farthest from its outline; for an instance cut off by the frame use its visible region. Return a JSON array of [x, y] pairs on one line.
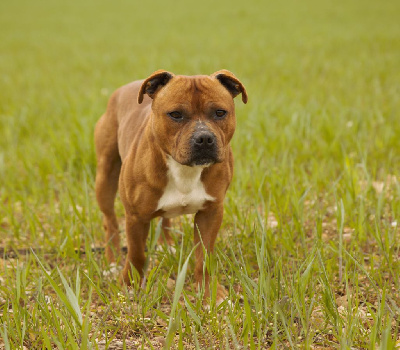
[[175, 115], [220, 113]]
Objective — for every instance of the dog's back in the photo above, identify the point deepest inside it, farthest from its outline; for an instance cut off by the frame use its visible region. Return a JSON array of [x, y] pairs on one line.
[[122, 121]]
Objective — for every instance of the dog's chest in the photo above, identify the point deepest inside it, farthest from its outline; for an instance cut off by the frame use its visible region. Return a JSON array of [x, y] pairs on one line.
[[185, 192]]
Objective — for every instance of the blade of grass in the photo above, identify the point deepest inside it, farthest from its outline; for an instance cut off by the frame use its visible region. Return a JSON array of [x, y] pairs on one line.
[[173, 322], [68, 300]]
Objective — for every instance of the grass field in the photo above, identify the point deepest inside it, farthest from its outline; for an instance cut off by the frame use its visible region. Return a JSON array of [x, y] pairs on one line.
[[310, 245]]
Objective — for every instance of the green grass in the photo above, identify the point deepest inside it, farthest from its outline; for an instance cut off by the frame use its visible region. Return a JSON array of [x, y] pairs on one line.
[[309, 249]]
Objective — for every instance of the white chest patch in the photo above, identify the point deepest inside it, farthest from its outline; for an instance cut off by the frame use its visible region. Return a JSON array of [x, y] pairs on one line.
[[184, 193]]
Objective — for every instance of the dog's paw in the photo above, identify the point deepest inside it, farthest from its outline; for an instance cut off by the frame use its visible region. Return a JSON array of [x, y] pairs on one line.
[[221, 296], [207, 306], [125, 278]]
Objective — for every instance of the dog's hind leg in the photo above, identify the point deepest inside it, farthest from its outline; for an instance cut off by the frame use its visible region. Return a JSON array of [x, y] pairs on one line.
[[107, 175]]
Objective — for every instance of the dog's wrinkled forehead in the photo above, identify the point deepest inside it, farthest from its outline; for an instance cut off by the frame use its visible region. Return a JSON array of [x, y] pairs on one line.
[[193, 92]]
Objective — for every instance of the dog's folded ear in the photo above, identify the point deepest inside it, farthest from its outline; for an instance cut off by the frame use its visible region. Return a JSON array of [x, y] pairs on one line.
[[153, 83], [231, 83]]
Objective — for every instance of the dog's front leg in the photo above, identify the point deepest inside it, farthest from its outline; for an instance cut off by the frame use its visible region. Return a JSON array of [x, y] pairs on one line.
[[206, 225], [136, 235]]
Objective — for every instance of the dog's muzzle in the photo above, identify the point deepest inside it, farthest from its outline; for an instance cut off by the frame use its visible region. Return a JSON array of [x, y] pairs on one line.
[[204, 149]]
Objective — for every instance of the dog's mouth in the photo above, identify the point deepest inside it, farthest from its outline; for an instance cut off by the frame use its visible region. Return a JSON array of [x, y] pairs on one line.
[[203, 161], [200, 160], [202, 149], [203, 157]]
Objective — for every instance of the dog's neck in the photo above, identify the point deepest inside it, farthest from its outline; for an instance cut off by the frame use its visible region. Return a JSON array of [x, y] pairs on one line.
[[185, 192], [184, 177]]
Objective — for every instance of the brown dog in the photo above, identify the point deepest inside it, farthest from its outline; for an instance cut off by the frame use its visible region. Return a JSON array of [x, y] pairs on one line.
[[166, 139]]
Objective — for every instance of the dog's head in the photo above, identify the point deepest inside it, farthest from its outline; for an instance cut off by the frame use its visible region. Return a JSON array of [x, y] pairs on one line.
[[193, 117]]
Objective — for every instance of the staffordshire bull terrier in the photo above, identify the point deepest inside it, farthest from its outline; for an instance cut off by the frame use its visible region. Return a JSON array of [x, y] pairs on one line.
[[164, 143]]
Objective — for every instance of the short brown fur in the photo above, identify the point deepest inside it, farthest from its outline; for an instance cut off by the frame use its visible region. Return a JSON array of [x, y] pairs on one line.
[[134, 139]]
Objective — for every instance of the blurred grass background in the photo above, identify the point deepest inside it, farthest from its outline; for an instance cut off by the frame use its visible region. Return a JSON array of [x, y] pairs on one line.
[[321, 127], [323, 64]]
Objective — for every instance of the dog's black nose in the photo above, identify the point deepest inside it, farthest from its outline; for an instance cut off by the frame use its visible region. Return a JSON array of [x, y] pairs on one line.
[[204, 139], [204, 148]]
